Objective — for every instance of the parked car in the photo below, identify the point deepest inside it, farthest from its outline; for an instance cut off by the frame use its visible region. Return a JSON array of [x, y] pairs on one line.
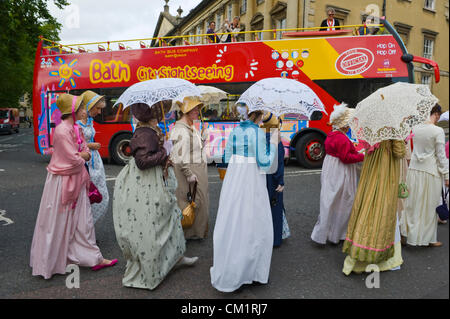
[[9, 120]]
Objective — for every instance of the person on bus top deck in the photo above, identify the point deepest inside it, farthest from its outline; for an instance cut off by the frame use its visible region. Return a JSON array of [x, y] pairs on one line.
[[64, 233], [331, 23], [226, 28], [94, 104], [339, 179], [147, 219], [235, 27], [212, 31], [365, 29]]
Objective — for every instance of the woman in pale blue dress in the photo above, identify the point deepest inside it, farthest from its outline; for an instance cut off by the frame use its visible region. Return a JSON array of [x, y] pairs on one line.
[[94, 104], [243, 233]]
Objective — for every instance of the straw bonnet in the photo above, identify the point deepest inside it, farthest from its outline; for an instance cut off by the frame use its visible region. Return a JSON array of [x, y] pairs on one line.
[[64, 103], [90, 98], [189, 103], [241, 109], [270, 121], [341, 116]]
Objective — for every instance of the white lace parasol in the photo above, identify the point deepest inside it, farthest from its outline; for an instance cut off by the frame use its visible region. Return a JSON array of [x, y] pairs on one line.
[[280, 96], [444, 117], [391, 112], [157, 90], [211, 94]]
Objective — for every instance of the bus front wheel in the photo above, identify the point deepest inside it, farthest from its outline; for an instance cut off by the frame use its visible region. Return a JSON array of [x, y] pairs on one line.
[[120, 149], [310, 150]]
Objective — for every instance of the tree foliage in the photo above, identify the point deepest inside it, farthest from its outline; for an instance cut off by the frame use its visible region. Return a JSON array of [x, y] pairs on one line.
[[21, 24]]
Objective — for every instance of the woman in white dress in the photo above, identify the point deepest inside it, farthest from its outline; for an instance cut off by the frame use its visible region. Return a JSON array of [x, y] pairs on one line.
[[427, 168], [94, 104], [243, 233], [339, 180]]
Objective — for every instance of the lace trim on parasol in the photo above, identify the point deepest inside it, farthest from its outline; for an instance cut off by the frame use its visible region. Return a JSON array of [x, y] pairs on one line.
[[398, 132], [276, 106], [177, 93]]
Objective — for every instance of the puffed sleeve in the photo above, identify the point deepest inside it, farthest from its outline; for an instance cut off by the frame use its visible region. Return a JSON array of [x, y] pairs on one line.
[[181, 150], [347, 152], [442, 161], [146, 150], [66, 159], [265, 152]]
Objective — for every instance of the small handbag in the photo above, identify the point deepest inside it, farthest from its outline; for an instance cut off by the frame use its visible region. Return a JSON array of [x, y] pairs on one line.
[[189, 211], [403, 190], [442, 210], [94, 194]]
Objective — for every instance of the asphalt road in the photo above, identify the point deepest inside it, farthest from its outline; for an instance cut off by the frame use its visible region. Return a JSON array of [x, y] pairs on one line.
[[299, 269]]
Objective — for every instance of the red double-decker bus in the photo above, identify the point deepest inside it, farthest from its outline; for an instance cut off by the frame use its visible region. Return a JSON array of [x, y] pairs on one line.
[[337, 65]]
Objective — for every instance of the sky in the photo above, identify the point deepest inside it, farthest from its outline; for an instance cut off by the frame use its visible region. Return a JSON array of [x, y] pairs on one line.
[[102, 20]]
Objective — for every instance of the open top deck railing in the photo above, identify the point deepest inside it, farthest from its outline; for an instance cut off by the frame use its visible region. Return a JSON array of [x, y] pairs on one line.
[[192, 39]]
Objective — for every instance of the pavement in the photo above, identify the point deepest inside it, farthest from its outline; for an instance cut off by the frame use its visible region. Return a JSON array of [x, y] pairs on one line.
[[300, 268]]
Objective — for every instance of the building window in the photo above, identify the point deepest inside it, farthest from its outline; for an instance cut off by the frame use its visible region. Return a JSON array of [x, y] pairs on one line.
[[426, 79], [243, 8], [229, 12], [218, 21], [429, 4], [428, 45], [403, 30], [199, 31], [258, 2], [278, 14], [256, 24], [280, 24]]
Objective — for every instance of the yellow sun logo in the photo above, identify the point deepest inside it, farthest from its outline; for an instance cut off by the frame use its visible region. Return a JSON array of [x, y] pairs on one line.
[[66, 72]]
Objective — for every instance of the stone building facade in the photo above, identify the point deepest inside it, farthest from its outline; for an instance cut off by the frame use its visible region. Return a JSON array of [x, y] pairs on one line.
[[422, 24]]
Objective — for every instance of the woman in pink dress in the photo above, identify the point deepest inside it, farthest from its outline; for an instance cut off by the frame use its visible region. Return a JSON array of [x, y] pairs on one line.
[[64, 232], [339, 180]]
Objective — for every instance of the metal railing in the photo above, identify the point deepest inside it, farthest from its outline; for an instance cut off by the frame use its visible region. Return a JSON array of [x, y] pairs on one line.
[[206, 38]]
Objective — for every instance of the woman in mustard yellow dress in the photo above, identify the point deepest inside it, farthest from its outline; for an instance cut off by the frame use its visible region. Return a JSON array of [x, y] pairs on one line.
[[371, 231]]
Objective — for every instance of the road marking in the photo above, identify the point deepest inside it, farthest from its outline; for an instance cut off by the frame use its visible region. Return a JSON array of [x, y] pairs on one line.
[[7, 220], [1, 169]]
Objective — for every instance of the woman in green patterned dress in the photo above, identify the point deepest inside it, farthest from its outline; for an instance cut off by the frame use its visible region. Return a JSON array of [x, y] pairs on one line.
[[147, 219]]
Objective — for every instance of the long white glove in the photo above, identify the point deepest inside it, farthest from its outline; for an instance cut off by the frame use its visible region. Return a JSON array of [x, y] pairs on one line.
[[168, 145]]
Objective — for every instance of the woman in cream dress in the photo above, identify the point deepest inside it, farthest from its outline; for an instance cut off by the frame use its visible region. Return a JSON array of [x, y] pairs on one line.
[[190, 166], [428, 167]]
